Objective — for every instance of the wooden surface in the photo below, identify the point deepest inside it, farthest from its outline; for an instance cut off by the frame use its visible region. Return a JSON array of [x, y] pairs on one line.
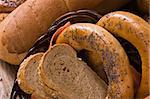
[[7, 76]]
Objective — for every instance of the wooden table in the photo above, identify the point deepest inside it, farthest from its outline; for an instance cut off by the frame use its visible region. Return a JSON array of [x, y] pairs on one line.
[[7, 77]]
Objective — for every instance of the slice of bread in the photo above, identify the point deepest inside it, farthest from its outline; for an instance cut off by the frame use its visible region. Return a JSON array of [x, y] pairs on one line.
[[27, 73], [61, 70], [29, 82]]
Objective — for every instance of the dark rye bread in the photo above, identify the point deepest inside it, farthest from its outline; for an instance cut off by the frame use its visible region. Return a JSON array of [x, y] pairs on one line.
[[61, 70]]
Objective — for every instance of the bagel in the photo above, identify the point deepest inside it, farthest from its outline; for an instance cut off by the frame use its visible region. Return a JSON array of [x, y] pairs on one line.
[[97, 41], [136, 31], [136, 75]]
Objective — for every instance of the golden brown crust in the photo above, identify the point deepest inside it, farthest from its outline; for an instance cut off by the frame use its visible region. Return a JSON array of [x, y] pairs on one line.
[[93, 38], [135, 30]]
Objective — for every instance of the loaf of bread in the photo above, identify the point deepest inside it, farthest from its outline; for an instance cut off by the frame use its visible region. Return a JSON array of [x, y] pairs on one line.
[[31, 19], [61, 70]]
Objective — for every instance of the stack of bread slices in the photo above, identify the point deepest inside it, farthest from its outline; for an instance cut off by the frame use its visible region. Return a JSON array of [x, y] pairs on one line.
[[60, 74]]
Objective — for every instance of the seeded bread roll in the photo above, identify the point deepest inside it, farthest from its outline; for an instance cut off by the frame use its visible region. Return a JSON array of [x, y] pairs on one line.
[[61, 69]]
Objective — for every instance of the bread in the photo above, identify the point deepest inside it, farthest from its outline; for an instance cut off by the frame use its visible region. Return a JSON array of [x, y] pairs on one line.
[[29, 82], [136, 31], [61, 70], [27, 73], [9, 5], [104, 53], [30, 20], [3, 16]]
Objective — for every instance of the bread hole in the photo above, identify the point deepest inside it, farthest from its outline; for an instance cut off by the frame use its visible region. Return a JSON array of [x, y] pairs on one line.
[[64, 69], [133, 54]]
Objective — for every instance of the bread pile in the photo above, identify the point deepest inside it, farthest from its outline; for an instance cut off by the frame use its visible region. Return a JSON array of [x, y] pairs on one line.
[[30, 20], [59, 74], [113, 46]]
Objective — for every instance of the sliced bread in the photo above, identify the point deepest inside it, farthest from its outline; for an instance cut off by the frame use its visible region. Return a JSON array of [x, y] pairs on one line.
[[29, 82], [27, 73], [61, 70]]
